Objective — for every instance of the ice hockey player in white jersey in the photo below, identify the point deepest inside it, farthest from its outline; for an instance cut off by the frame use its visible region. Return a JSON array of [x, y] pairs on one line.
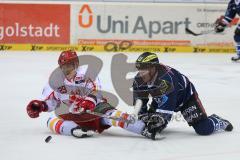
[[87, 111]]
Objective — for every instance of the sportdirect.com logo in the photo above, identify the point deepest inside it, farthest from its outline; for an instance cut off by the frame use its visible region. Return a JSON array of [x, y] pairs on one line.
[[109, 23]]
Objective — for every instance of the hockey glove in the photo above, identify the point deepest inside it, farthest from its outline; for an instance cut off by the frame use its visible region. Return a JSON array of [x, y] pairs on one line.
[[35, 107], [80, 104], [220, 25], [88, 104], [154, 122]]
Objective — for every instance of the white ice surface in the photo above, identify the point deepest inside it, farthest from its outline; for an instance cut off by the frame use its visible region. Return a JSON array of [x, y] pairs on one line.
[[23, 75]]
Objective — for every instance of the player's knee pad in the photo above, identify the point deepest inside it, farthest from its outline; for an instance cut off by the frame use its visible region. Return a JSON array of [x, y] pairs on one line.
[[204, 127], [59, 126]]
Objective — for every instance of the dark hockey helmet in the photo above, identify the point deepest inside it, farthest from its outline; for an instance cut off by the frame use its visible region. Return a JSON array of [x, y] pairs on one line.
[[146, 60], [68, 57]]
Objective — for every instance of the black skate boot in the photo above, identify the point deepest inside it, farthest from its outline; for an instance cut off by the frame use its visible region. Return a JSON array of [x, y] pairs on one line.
[[79, 132], [223, 123], [237, 58]]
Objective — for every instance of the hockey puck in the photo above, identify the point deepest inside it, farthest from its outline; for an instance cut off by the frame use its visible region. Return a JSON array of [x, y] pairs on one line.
[[48, 139]]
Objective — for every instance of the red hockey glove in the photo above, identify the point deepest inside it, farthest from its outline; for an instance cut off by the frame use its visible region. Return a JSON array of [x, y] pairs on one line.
[[81, 104], [88, 104], [76, 99], [35, 107]]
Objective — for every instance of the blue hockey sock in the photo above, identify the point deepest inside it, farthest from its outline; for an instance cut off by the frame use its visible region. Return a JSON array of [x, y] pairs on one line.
[[238, 49], [212, 124], [204, 127]]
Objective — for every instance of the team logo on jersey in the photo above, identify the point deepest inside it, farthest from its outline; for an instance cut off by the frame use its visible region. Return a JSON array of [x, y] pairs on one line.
[[164, 87], [161, 100]]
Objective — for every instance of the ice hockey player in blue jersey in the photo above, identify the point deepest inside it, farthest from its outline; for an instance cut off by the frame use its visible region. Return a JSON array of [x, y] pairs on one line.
[[221, 23], [171, 91]]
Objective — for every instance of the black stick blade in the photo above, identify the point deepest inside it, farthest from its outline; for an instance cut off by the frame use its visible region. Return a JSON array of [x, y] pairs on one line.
[[191, 32]]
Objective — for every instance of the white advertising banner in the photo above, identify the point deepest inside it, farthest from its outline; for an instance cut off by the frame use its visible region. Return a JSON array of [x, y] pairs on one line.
[[147, 24]]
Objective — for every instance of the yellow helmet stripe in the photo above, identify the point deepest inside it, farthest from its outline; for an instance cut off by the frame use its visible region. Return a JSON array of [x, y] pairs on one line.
[[149, 58]]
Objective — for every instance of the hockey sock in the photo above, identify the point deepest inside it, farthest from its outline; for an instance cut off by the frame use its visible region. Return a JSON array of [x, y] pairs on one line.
[[59, 126], [204, 127], [238, 49], [120, 120], [209, 125]]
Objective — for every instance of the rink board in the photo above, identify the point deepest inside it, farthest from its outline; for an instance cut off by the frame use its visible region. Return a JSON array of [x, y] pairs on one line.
[[101, 27], [116, 48]]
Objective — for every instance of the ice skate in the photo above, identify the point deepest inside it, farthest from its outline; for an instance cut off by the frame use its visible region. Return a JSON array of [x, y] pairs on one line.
[[226, 125], [236, 58], [79, 132]]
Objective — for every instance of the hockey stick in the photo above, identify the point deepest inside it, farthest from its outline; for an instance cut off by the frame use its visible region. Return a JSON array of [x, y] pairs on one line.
[[137, 107], [128, 121], [198, 34]]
